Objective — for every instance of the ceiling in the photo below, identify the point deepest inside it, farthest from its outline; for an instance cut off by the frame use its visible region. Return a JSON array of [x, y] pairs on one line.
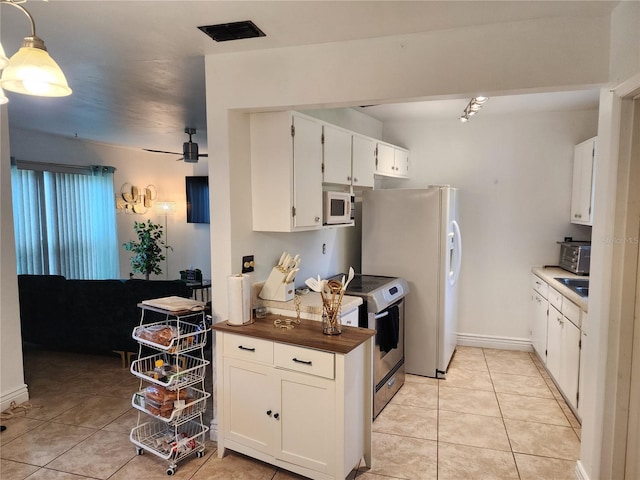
[[137, 67]]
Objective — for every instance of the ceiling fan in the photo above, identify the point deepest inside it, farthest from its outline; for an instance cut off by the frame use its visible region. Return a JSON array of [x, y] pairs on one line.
[[189, 149]]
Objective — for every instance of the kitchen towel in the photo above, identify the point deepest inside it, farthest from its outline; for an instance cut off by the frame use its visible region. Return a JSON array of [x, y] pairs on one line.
[[389, 329], [239, 298]]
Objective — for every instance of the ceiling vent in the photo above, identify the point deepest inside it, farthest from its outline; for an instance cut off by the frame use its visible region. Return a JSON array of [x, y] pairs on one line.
[[233, 31]]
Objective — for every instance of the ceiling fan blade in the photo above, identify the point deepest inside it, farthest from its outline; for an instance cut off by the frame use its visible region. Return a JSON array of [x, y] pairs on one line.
[[160, 151]]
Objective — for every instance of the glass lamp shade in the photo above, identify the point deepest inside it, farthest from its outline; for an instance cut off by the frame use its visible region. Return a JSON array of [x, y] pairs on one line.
[[32, 71], [165, 208], [3, 97]]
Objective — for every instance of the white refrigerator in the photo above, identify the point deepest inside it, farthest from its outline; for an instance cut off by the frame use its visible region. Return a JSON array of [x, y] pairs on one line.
[[414, 234]]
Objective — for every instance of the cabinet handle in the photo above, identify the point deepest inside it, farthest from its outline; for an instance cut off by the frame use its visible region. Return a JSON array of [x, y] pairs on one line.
[[349, 179], [317, 219], [306, 362], [269, 413], [355, 180], [276, 416], [248, 349]]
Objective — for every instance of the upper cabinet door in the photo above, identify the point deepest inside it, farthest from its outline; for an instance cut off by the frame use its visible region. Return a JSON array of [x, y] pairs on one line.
[[392, 161], [363, 161], [307, 172], [286, 172], [583, 182], [336, 155], [401, 162], [385, 160]]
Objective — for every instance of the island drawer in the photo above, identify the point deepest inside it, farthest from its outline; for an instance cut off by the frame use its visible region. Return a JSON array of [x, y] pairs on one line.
[[305, 360], [248, 348]]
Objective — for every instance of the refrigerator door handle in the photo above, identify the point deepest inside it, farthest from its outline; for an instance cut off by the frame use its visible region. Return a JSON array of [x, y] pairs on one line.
[[455, 253]]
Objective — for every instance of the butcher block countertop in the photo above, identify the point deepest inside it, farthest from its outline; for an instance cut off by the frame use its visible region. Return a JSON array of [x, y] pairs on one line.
[[307, 334]]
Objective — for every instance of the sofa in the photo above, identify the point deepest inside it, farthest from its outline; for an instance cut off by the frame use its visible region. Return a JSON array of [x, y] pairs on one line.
[[91, 316]]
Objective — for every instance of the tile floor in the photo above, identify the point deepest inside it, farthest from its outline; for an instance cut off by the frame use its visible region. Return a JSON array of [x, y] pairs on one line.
[[496, 416]]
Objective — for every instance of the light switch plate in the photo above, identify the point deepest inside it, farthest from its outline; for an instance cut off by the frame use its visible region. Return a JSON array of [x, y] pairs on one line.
[[247, 264]]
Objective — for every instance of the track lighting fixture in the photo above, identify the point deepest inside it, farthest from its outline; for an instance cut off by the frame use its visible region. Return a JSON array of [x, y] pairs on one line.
[[31, 71], [473, 107]]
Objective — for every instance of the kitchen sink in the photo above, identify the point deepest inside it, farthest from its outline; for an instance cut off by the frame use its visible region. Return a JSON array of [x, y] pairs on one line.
[[578, 285]]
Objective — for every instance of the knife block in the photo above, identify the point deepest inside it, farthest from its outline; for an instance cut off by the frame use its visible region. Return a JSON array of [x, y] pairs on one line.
[[275, 287]]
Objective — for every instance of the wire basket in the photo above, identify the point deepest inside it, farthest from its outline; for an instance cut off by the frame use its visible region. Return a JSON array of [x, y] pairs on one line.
[[194, 404], [181, 370], [170, 443], [173, 336]]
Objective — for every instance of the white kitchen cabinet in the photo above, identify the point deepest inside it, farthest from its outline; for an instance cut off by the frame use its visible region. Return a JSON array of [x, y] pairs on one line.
[[336, 155], [583, 182], [582, 376], [556, 337], [563, 354], [539, 325], [554, 343], [286, 172], [363, 161], [392, 161], [304, 409]]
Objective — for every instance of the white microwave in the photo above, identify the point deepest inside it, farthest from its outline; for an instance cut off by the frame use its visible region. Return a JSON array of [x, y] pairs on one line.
[[338, 208]]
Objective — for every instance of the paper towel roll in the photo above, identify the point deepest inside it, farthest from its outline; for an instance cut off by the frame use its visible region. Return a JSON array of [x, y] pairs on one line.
[[239, 297]]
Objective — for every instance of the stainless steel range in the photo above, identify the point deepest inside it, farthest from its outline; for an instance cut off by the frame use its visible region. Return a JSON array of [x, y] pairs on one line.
[[383, 311]]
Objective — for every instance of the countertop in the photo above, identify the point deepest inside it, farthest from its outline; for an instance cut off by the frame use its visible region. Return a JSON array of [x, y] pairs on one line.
[[307, 334], [548, 274], [309, 303]]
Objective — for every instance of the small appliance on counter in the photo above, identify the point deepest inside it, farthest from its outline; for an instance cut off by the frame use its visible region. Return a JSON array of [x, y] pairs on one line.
[[575, 257]]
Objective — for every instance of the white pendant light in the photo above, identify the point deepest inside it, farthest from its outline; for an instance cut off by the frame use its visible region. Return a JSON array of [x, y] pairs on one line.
[[31, 71], [3, 97]]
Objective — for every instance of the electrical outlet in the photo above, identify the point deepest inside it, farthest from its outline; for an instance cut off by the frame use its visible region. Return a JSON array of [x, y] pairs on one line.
[[248, 264]]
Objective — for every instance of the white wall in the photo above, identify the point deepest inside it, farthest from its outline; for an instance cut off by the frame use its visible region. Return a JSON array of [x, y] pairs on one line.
[[12, 386], [514, 174], [598, 428], [190, 242], [532, 55]]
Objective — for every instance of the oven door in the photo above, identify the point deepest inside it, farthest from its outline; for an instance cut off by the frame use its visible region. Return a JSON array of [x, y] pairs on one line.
[[387, 356]]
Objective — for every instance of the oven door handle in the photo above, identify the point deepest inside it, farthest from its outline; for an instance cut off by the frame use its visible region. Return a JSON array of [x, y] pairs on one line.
[[380, 315]]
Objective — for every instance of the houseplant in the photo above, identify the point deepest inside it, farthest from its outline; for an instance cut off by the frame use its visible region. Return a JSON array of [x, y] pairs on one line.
[[148, 250]]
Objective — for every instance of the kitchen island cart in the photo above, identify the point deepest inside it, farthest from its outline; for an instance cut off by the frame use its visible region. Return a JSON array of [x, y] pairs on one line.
[[171, 398]]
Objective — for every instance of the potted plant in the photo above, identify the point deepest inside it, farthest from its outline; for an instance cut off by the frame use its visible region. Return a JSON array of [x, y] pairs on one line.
[[148, 253]]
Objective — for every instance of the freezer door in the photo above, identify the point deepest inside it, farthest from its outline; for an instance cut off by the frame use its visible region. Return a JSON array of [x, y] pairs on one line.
[[452, 256]]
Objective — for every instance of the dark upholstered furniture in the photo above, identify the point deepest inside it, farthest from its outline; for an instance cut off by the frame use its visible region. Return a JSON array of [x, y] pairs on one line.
[[95, 316]]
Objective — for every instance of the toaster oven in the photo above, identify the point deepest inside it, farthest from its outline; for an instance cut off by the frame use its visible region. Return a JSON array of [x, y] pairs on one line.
[[575, 257]]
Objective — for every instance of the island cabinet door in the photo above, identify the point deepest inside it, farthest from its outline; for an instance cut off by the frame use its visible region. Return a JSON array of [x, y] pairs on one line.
[[306, 433], [249, 404]]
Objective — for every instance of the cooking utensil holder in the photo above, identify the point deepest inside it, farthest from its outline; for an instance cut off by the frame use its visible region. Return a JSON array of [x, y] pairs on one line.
[[332, 316]]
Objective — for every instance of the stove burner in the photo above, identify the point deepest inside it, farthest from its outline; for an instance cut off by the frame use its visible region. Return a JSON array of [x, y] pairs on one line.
[[365, 283]]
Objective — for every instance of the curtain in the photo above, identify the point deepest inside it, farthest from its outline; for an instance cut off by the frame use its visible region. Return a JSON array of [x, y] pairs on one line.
[[65, 223]]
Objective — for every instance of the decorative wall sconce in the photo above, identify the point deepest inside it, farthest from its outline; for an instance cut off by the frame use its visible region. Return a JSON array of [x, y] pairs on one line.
[[134, 199], [472, 108]]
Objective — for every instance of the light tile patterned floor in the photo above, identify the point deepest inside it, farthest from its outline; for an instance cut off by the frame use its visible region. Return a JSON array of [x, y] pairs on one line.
[[496, 416]]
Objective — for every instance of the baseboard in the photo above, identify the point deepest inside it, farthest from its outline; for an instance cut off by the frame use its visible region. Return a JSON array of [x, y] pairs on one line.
[[19, 395], [500, 343], [581, 474], [213, 430]]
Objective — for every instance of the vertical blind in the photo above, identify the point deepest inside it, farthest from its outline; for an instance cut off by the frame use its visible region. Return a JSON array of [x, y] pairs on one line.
[[65, 223]]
